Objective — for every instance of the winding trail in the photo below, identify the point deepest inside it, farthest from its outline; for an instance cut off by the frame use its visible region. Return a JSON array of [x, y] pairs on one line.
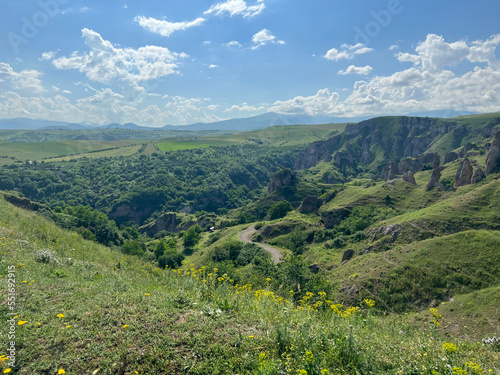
[[246, 236]]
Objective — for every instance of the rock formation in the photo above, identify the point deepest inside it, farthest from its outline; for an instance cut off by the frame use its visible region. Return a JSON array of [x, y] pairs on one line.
[[436, 175], [478, 175], [310, 204], [348, 254], [331, 219], [464, 174], [280, 179], [493, 158], [410, 178]]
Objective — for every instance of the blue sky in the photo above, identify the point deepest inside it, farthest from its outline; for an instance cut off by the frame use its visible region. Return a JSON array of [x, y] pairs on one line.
[[182, 61]]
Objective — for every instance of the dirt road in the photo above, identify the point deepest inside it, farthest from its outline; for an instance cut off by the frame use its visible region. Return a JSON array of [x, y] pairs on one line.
[[246, 236]]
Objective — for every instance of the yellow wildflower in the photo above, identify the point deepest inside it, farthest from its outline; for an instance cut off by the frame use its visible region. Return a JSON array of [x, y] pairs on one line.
[[22, 322], [61, 371], [60, 316], [449, 347]]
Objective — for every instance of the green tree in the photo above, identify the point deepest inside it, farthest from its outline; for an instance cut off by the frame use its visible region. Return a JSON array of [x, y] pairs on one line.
[[191, 237], [280, 210]]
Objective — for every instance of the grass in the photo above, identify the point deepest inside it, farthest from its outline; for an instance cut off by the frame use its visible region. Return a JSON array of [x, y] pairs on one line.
[[121, 151], [123, 316]]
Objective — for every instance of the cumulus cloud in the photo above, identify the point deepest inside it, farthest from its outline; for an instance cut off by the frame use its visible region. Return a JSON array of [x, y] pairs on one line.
[[105, 106], [235, 7], [213, 66], [264, 37], [28, 80], [323, 102], [347, 52], [165, 28], [108, 64], [428, 85], [48, 55], [352, 69], [233, 44], [434, 53], [244, 107]]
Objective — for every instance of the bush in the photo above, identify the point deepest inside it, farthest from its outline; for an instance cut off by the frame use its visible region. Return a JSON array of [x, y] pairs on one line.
[[297, 241], [133, 248], [170, 258]]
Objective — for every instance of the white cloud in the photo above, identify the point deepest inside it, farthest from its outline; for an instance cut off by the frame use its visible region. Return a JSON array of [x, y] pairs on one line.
[[108, 64], [434, 53], [352, 69], [426, 86], [28, 80], [213, 66], [347, 52], [165, 28], [244, 107], [48, 55], [394, 47], [233, 44], [235, 7], [264, 37], [323, 102]]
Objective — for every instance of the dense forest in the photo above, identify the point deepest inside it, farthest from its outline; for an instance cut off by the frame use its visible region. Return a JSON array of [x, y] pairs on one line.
[[214, 179]]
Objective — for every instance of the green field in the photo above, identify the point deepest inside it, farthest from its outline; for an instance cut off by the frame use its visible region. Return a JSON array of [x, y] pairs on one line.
[[176, 145], [47, 150]]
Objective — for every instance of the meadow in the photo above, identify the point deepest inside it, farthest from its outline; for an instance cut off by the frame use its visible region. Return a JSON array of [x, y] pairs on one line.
[[87, 309]]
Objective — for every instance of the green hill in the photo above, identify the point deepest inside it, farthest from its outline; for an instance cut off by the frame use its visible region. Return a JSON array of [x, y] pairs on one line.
[[87, 309]]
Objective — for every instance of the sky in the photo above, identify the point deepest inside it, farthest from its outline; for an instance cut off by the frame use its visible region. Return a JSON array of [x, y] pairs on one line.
[[159, 62]]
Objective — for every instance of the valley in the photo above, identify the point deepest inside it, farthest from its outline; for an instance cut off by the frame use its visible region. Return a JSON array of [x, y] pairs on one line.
[[244, 252]]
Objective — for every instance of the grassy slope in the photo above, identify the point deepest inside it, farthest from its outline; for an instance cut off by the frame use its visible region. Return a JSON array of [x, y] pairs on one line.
[[110, 324]]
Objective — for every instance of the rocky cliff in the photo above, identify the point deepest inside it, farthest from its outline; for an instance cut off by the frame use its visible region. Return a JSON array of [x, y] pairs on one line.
[[493, 159], [392, 146]]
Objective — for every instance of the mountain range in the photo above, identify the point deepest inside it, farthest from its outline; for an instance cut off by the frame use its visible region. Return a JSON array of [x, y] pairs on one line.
[[236, 124]]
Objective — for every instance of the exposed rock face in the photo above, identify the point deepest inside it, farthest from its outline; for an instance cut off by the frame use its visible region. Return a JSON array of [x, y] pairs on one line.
[[281, 179], [464, 174], [278, 229], [493, 158], [166, 222], [318, 151], [478, 175], [436, 176], [331, 219], [310, 204], [410, 178], [348, 254], [135, 212], [449, 157]]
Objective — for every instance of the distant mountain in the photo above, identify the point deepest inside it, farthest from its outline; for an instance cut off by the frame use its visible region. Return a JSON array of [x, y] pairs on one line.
[[236, 125], [262, 121], [129, 125], [28, 124]]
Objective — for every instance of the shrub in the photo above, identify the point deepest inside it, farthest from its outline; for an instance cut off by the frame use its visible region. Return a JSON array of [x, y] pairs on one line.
[[46, 256], [170, 258], [133, 248]]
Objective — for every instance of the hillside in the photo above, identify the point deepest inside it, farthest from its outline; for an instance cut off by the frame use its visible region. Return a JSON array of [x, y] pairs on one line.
[[88, 309], [389, 232]]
